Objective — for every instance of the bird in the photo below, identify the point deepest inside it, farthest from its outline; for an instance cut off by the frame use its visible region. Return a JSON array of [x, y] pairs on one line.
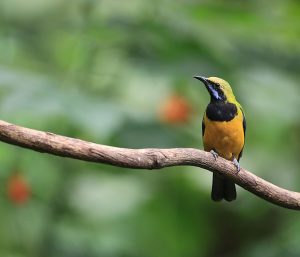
[[223, 132]]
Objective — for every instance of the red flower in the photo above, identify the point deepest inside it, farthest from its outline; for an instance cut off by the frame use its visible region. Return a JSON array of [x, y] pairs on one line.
[[175, 110], [18, 190]]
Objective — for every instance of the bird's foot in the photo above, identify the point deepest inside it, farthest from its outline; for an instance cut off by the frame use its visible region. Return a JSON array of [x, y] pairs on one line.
[[215, 154], [236, 164]]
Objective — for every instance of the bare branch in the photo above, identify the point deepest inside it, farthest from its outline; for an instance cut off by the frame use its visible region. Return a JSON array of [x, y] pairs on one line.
[[50, 143]]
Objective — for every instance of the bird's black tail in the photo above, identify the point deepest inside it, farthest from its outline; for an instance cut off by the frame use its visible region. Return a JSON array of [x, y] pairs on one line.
[[222, 188]]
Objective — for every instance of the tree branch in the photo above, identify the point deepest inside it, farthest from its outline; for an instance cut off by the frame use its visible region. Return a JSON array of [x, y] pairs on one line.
[[151, 158]]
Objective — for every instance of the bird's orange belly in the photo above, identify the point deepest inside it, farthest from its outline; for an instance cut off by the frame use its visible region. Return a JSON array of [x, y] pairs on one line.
[[226, 138]]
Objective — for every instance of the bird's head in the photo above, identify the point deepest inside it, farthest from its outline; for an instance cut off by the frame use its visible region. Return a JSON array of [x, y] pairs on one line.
[[219, 89]]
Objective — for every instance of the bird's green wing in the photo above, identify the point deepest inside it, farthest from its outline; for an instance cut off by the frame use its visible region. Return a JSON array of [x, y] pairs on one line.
[[244, 122], [244, 128], [203, 127]]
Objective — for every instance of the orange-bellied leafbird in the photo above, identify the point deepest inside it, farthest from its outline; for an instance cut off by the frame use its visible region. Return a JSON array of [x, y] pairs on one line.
[[223, 132]]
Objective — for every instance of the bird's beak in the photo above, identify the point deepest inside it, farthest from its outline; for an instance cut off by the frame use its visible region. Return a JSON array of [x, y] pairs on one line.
[[202, 79], [213, 93]]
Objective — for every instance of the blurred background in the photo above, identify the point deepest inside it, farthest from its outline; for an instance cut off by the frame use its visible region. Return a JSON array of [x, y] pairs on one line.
[[121, 73]]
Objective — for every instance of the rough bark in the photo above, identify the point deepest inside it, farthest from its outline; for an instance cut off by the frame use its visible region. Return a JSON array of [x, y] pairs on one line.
[[150, 158]]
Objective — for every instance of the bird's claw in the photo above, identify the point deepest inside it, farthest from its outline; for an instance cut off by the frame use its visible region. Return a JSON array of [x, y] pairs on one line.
[[215, 154], [236, 164]]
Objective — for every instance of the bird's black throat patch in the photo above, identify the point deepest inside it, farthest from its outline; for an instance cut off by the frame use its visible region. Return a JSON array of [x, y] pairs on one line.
[[220, 111]]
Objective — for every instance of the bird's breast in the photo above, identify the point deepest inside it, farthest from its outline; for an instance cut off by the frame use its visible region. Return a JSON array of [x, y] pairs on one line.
[[225, 137], [221, 111]]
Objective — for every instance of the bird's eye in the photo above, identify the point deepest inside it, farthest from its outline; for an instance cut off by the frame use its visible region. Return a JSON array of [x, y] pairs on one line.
[[217, 84]]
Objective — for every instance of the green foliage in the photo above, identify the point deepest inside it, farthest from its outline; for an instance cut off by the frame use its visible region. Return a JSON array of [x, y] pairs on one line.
[[101, 71]]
